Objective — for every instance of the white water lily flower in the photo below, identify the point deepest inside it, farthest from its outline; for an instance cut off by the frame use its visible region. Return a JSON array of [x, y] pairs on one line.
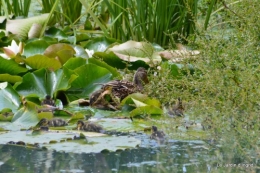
[[13, 50], [89, 52]]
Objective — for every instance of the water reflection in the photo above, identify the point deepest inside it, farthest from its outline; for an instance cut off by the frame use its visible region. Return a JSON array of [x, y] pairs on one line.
[[173, 156]]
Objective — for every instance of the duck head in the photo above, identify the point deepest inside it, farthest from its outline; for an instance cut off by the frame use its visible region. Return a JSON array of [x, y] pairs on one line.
[[80, 124], [140, 78]]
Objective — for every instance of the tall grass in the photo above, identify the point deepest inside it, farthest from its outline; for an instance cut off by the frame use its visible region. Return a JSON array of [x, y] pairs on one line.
[[152, 20], [223, 93], [16, 7]]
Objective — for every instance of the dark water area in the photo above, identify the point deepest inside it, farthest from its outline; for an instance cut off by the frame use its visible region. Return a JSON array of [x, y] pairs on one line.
[[150, 157]]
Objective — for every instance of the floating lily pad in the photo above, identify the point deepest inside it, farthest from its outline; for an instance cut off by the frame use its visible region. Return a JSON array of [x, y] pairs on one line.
[[96, 144], [11, 67], [132, 51], [9, 98], [10, 78], [41, 61], [43, 82], [35, 47]]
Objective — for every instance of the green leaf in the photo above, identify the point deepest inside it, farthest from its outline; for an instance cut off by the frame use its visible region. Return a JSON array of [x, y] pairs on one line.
[[21, 27], [11, 67], [43, 82], [35, 47], [61, 51], [146, 110], [41, 61], [100, 44], [10, 78], [132, 51], [26, 116], [88, 75], [9, 98], [56, 33]]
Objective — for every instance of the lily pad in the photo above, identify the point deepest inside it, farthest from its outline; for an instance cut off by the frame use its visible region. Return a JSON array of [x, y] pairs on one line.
[[88, 75], [44, 82], [100, 44], [35, 47], [41, 61], [9, 98], [63, 52], [97, 144], [10, 78], [132, 51], [21, 27], [11, 67]]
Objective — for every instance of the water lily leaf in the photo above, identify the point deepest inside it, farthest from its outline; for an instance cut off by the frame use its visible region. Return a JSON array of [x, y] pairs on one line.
[[112, 70], [43, 82], [138, 103], [35, 47], [63, 52], [146, 110], [88, 75], [99, 44], [9, 98], [80, 51], [132, 51], [26, 116], [21, 27], [11, 67], [10, 78], [96, 144], [122, 125], [136, 96], [56, 33], [41, 61]]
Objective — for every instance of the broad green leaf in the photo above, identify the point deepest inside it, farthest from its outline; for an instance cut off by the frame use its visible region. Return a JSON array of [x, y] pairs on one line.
[[10, 78], [132, 51], [26, 116], [35, 47], [88, 75], [74, 63], [112, 70], [90, 145], [114, 61], [96, 144], [61, 51], [21, 27], [100, 44], [9, 98], [41, 61], [11, 67], [146, 110], [43, 82], [56, 33]]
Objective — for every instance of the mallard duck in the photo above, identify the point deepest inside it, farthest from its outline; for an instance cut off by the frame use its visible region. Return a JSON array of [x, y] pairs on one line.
[[55, 122], [89, 127], [48, 101], [117, 90], [177, 109], [157, 135]]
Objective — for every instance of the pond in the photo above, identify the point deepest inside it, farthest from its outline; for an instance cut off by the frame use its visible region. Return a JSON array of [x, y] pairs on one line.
[[149, 157]]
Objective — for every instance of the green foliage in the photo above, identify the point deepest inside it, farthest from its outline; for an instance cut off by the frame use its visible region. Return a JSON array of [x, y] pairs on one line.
[[155, 21]]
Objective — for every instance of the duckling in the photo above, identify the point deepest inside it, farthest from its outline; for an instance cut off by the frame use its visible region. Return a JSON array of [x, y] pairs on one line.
[[104, 99], [118, 90], [55, 122], [177, 109], [89, 127], [157, 135], [48, 101]]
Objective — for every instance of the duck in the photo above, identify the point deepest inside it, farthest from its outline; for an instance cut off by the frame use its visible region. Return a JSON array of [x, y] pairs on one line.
[[177, 109], [89, 127], [117, 90], [48, 101], [157, 135], [55, 122]]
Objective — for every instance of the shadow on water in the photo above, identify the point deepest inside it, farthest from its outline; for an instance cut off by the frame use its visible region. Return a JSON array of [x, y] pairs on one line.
[[150, 157]]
